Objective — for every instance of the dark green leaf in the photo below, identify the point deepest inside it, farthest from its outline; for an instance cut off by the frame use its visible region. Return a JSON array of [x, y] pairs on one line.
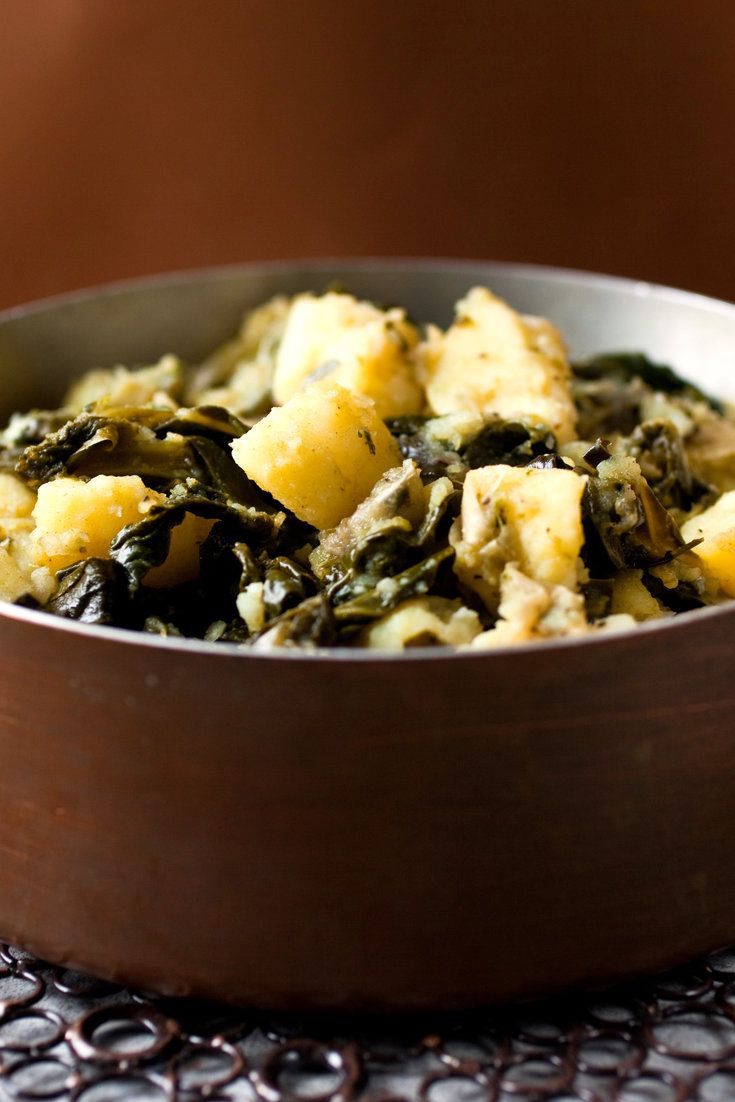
[[139, 444], [625, 521], [597, 594], [285, 584], [27, 429], [92, 444], [309, 624], [623, 367], [390, 591], [141, 546], [609, 391], [512, 442], [658, 448], [433, 457], [154, 625], [214, 422], [94, 591], [497, 441]]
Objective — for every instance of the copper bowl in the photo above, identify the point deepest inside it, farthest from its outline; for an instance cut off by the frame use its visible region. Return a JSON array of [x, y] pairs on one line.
[[353, 830]]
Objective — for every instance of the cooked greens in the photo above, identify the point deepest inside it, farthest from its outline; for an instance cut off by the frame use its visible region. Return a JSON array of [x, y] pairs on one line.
[[335, 475]]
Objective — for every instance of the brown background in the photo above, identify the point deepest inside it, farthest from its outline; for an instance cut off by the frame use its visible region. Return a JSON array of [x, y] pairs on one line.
[[145, 135]]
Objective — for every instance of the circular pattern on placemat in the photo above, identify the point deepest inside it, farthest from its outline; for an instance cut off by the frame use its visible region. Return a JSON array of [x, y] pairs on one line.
[[67, 1037]]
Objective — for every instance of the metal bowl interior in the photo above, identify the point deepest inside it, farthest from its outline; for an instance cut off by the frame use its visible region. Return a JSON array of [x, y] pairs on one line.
[[354, 830]]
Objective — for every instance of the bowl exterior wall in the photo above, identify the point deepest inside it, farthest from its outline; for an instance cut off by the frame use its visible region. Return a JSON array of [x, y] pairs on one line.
[[367, 834]]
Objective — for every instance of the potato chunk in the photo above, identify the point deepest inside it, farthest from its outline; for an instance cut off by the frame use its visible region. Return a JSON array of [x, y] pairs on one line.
[[182, 562], [630, 596], [19, 572], [716, 526], [238, 374], [14, 582], [320, 454], [159, 384], [531, 611], [493, 360], [423, 621], [355, 345], [78, 520], [521, 515], [399, 493], [16, 499], [711, 450]]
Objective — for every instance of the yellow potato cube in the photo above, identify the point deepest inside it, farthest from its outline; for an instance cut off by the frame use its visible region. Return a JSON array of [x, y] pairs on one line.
[[14, 582], [19, 572], [630, 596], [182, 562], [353, 344], [121, 386], [238, 374], [320, 454], [716, 526], [16, 499], [521, 515], [529, 610], [78, 520], [493, 360], [711, 450], [423, 621]]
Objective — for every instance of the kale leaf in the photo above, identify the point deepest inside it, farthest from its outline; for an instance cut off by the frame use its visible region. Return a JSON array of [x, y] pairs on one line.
[[390, 590], [94, 591], [141, 546], [309, 624], [658, 448], [145, 442], [623, 367], [610, 389], [512, 442], [447, 446], [626, 526]]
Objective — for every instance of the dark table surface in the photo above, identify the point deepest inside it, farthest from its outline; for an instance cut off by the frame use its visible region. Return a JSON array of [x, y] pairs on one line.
[[664, 1039]]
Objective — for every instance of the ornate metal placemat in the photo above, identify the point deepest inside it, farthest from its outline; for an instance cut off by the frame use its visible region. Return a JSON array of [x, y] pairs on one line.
[[65, 1036]]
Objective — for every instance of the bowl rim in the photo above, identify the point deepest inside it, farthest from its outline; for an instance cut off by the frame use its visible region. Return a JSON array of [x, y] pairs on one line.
[[561, 275], [642, 288], [46, 621]]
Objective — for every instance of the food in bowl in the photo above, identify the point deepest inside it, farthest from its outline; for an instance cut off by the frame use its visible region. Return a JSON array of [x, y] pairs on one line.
[[339, 475]]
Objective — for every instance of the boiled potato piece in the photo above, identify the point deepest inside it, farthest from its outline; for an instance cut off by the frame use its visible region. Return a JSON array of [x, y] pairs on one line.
[[398, 493], [78, 520], [423, 621], [182, 562], [16, 499], [14, 582], [630, 596], [716, 526], [355, 345], [238, 374], [493, 360], [529, 610], [711, 451], [320, 454], [159, 384], [522, 515], [19, 573], [246, 392]]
